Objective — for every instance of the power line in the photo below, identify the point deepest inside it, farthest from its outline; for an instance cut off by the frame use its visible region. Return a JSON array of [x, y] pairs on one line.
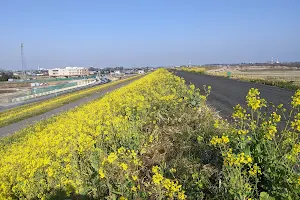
[[23, 61]]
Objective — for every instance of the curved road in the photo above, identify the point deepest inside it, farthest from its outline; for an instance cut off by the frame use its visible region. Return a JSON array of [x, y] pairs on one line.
[[227, 93], [12, 128], [42, 98]]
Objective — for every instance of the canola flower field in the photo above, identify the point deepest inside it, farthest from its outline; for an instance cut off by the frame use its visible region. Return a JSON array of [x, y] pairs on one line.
[[156, 139], [22, 112]]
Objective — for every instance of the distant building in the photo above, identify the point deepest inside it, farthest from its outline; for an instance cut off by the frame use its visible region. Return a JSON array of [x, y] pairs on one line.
[[68, 72], [92, 72], [141, 72], [129, 71], [116, 73]]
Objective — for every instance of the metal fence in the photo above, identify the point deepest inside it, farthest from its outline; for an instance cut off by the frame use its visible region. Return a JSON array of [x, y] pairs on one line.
[[54, 91], [50, 88], [60, 79]]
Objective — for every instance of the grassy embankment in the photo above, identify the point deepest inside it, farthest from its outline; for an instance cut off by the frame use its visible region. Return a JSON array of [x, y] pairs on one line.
[[155, 139], [28, 110]]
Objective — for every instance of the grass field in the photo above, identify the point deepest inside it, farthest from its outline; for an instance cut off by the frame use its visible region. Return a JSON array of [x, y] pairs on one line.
[[155, 139], [285, 78], [274, 74]]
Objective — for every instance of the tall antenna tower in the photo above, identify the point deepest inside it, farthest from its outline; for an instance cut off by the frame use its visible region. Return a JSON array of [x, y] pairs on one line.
[[23, 61]]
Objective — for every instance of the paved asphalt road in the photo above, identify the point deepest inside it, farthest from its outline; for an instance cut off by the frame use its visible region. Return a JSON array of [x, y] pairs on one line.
[[227, 93], [12, 128]]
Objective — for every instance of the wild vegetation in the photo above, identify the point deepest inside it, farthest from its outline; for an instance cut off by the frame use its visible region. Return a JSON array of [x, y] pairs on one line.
[[278, 83], [200, 70], [274, 82], [156, 139], [28, 110], [5, 75]]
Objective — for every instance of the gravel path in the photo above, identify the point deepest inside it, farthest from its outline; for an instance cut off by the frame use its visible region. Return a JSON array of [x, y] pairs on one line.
[[227, 93], [12, 128]]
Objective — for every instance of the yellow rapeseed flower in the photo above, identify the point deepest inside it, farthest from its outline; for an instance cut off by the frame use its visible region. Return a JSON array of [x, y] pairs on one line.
[[242, 132], [296, 99], [225, 139], [101, 173], [249, 159], [121, 150], [155, 169], [181, 195], [172, 170], [112, 157], [216, 140], [134, 177], [124, 166], [296, 123], [133, 188], [239, 112], [253, 99], [276, 117], [270, 132], [157, 178]]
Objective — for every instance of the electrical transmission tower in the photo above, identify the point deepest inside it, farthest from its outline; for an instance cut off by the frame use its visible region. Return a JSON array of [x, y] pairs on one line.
[[23, 62]]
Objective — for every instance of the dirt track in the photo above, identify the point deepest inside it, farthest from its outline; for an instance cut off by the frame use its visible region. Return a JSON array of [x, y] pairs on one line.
[[226, 93]]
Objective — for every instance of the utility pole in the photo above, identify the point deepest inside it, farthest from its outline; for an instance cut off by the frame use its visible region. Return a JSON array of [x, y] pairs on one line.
[[23, 62]]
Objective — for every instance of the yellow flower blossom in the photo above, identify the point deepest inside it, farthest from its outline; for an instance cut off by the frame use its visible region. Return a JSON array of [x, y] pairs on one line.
[[242, 132], [239, 112], [253, 99], [121, 150], [124, 166], [296, 99], [157, 178], [216, 140], [249, 159], [172, 170], [150, 138], [155, 169], [112, 157], [237, 160], [296, 123], [101, 173], [134, 189], [254, 170], [276, 117], [270, 132], [134, 177], [181, 195], [216, 124]]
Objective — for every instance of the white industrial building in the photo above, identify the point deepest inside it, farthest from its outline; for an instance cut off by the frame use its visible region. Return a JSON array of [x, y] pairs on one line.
[[68, 72], [141, 72]]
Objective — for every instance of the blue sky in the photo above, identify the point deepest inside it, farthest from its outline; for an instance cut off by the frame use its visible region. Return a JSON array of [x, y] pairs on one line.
[[155, 33]]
